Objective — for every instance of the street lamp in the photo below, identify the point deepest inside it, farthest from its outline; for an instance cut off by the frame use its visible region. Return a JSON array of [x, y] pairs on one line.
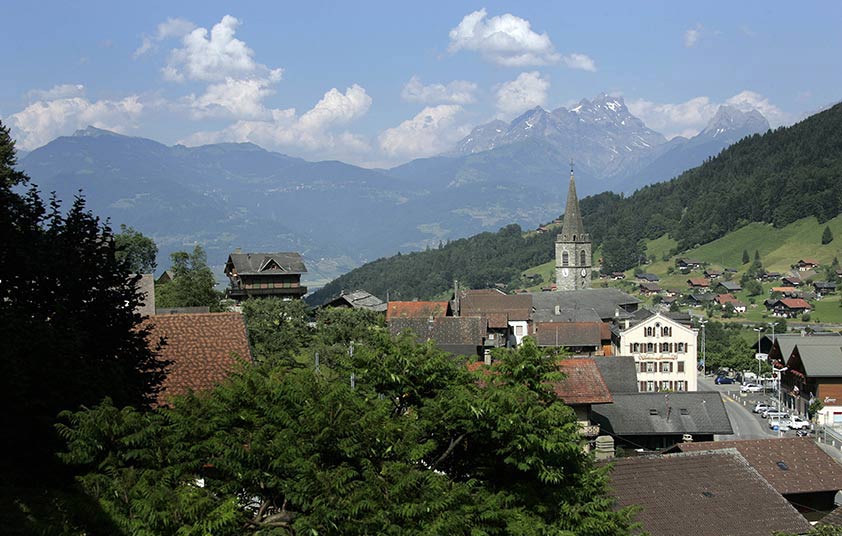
[[759, 330], [772, 325], [704, 349], [778, 372]]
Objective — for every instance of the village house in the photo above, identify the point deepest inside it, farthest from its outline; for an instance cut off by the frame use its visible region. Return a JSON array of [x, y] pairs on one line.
[[508, 316], [649, 289], [814, 372], [664, 350], [702, 494], [795, 467], [823, 288], [616, 276], [699, 300], [265, 275], [465, 335], [788, 307], [582, 388], [712, 274], [729, 286], [698, 283], [785, 292], [804, 265], [651, 278], [416, 309], [728, 300], [688, 264], [358, 299], [580, 338]]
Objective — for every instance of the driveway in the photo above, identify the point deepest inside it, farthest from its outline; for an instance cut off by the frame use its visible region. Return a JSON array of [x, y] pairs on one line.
[[746, 425]]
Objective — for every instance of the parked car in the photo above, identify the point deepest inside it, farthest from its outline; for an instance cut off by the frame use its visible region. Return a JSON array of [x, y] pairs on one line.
[[723, 380], [765, 413], [777, 416], [782, 422], [760, 407], [797, 423], [750, 388]]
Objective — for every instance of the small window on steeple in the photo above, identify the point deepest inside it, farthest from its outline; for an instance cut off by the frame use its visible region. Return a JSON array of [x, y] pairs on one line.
[[565, 258], [582, 258]]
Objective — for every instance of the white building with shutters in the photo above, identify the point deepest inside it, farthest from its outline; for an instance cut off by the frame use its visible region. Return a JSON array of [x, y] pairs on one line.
[[665, 354]]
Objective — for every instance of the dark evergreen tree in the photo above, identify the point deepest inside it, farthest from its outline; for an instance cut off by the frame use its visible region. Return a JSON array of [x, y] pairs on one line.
[[827, 236], [746, 258]]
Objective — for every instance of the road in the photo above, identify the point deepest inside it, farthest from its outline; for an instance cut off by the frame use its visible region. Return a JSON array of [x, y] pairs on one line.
[[746, 425]]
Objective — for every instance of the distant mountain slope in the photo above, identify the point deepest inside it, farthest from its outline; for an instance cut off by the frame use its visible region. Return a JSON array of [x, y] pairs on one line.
[[776, 178]]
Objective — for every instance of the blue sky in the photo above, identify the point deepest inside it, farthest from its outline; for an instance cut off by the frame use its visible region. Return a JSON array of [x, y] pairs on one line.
[[379, 83]]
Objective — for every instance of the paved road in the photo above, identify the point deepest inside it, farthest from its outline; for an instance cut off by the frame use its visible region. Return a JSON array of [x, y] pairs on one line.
[[746, 425]]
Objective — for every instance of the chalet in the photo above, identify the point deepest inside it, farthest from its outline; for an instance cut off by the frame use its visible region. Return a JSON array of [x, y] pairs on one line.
[[788, 307], [616, 276], [791, 281], [824, 288], [712, 274], [507, 315], [202, 349], [698, 283], [358, 299], [729, 286], [806, 264], [660, 420], [796, 467], [728, 300], [649, 289], [416, 309], [580, 338], [699, 300], [769, 276], [651, 278], [265, 275], [784, 343], [701, 494], [688, 264], [814, 372], [786, 292]]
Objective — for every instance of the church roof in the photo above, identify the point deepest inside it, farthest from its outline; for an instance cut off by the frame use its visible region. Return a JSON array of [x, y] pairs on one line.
[[572, 226]]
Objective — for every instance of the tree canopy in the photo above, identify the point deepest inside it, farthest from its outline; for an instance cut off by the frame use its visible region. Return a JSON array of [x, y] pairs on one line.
[[192, 283], [138, 251]]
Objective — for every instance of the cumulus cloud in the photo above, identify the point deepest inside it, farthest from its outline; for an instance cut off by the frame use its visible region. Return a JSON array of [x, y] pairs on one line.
[[456, 92], [313, 130], [214, 56], [690, 117], [61, 91], [172, 27], [430, 132], [42, 121], [238, 98], [526, 91], [691, 36], [505, 40], [579, 61]]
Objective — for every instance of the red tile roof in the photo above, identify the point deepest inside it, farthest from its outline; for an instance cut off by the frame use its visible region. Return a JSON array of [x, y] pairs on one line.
[[416, 309], [202, 348], [725, 298], [583, 383], [795, 303], [699, 282], [809, 468]]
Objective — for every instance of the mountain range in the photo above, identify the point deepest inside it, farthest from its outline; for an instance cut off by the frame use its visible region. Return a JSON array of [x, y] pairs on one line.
[[338, 215]]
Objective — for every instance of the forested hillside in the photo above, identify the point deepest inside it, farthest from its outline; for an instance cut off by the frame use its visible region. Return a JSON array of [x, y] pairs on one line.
[[776, 178]]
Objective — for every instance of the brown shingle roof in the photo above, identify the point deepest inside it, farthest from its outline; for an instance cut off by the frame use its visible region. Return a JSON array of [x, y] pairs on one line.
[[702, 494], [810, 469], [699, 282], [416, 309], [583, 383], [444, 330], [202, 348], [795, 303], [485, 303]]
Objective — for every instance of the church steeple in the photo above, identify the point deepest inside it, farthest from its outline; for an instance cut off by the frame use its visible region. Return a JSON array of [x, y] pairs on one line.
[[572, 229], [573, 246]]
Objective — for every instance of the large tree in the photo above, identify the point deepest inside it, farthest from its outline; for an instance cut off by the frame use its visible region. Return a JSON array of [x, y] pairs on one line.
[[137, 250], [192, 283], [414, 444]]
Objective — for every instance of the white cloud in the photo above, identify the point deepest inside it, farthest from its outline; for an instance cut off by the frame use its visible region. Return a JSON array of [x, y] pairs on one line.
[[42, 121], [456, 92], [746, 100], [172, 27], [238, 98], [579, 61], [430, 132], [505, 40], [691, 36], [690, 117], [61, 91], [314, 130], [216, 56], [526, 91]]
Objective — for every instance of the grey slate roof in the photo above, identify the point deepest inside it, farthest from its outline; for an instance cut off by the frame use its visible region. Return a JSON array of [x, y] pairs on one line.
[[261, 263], [619, 373], [604, 302], [820, 360], [664, 414], [444, 330], [572, 225], [359, 299], [731, 286], [702, 494], [649, 277], [788, 341]]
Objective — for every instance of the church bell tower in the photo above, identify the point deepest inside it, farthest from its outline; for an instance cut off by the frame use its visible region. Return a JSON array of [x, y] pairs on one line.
[[572, 246]]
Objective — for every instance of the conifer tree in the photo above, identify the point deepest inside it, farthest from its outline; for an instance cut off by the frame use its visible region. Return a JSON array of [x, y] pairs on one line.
[[746, 258], [827, 236]]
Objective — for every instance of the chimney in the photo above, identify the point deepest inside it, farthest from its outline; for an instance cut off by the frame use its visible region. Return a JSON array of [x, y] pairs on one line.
[[604, 447]]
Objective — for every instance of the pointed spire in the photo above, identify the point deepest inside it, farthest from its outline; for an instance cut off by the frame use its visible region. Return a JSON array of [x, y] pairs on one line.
[[573, 228]]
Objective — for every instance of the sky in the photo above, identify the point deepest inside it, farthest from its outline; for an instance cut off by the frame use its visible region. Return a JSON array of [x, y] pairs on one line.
[[380, 83]]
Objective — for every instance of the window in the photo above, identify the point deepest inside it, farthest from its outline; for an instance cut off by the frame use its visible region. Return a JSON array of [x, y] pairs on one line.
[[635, 348], [666, 366], [681, 366], [518, 330], [650, 387], [680, 347], [666, 331], [582, 259], [650, 366], [642, 386], [565, 258], [649, 331], [650, 347], [665, 386], [679, 386]]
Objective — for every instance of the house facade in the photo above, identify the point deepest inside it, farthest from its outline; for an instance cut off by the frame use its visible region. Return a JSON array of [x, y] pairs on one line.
[[265, 275], [665, 353]]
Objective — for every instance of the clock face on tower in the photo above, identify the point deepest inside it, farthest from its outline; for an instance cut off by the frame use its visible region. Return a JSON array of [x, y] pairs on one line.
[[584, 272], [564, 272]]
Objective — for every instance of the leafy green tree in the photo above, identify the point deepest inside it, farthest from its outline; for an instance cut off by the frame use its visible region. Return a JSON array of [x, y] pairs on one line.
[[418, 444], [277, 328], [746, 258], [137, 250], [753, 287], [827, 236], [192, 284], [69, 330]]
